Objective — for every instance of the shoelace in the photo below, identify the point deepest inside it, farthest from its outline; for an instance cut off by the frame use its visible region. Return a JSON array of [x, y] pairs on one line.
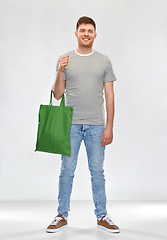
[[108, 219], [56, 220]]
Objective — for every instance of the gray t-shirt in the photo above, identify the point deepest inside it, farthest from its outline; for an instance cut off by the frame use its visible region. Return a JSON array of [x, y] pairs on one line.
[[85, 76]]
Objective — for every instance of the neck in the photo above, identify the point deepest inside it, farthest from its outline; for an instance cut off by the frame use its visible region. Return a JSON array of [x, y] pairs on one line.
[[84, 50]]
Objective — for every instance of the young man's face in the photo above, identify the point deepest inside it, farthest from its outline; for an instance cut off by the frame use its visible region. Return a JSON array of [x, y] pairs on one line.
[[85, 35]]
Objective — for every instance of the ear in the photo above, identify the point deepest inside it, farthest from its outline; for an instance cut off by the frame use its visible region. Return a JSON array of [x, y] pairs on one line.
[[76, 34], [95, 35]]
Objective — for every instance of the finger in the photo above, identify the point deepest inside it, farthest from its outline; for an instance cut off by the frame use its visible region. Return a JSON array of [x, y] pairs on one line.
[[64, 59], [63, 63], [104, 142], [66, 56], [107, 141]]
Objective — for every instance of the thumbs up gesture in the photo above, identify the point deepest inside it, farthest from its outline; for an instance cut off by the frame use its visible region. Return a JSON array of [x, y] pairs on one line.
[[63, 62]]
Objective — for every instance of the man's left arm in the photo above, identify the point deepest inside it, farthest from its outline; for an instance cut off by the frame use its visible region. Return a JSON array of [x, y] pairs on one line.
[[107, 136]]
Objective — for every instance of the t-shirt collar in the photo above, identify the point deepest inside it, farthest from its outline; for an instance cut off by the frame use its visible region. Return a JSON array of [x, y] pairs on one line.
[[84, 54]]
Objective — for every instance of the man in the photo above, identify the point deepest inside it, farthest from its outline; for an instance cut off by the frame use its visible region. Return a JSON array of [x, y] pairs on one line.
[[83, 73]]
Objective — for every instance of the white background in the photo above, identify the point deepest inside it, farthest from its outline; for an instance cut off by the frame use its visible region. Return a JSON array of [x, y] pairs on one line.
[[133, 34]]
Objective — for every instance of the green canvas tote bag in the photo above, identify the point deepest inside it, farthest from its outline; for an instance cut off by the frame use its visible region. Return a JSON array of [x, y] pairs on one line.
[[54, 124]]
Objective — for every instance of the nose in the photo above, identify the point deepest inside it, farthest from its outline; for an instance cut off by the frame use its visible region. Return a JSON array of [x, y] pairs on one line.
[[86, 33]]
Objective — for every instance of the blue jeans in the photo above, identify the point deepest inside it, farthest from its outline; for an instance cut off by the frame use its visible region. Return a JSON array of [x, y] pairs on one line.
[[91, 134]]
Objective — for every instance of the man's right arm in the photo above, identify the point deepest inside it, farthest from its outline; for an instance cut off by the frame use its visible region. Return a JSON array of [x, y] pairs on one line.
[[59, 84]]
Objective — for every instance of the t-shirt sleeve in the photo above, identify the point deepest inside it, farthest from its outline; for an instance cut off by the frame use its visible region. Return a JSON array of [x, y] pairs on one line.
[[57, 67], [109, 74]]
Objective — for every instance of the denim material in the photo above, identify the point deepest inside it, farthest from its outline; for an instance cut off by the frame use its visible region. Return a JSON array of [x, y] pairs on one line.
[[91, 134]]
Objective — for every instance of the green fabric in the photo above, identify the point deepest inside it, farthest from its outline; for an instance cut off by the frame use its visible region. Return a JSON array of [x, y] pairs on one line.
[[54, 124]]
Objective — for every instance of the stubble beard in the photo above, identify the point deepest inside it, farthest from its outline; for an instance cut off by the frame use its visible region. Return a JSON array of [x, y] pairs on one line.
[[86, 45]]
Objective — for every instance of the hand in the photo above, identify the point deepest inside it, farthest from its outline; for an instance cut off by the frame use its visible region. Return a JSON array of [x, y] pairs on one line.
[[107, 136], [63, 62]]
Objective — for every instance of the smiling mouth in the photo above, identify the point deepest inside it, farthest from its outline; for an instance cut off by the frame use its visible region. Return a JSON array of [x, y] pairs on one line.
[[86, 39]]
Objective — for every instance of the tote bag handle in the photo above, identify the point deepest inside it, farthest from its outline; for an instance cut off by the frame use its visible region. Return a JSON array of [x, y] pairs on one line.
[[62, 104]]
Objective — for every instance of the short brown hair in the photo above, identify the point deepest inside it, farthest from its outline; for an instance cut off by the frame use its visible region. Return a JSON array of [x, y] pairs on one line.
[[86, 20]]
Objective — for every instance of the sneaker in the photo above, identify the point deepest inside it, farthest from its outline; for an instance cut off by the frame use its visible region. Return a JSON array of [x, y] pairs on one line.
[[58, 223], [106, 223]]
